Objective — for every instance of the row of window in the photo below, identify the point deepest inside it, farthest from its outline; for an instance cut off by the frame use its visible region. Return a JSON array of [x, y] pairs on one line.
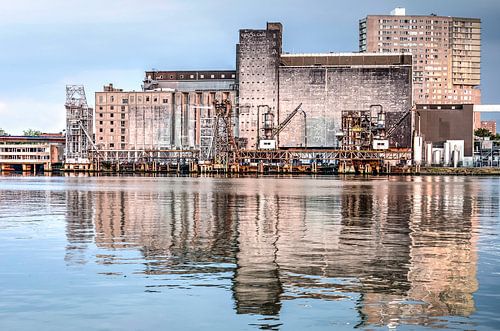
[[25, 157], [126, 101], [201, 76], [122, 123], [22, 150]]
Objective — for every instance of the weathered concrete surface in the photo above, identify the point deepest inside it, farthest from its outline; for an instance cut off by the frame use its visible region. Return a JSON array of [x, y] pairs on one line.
[[326, 91]]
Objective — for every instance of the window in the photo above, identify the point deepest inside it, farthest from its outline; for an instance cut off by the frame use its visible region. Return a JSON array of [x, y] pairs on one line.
[[122, 138], [202, 76], [122, 123], [100, 107], [100, 130], [125, 101], [111, 130], [100, 122], [111, 145], [111, 115], [123, 108], [101, 99], [222, 76], [111, 122], [147, 99], [165, 100], [123, 116], [112, 107], [155, 99], [100, 114], [318, 77], [112, 99], [123, 131]]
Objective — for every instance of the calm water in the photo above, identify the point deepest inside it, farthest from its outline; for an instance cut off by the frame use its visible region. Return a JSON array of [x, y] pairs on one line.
[[135, 253]]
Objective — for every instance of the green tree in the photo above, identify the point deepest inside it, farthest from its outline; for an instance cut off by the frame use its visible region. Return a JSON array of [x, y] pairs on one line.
[[31, 132], [3, 133], [482, 132]]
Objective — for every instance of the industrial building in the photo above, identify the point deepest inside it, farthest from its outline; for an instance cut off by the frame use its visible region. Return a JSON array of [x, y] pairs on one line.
[[271, 84], [31, 153], [174, 111], [282, 112], [446, 52]]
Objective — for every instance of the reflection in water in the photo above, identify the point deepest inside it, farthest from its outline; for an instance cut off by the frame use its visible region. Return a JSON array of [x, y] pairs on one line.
[[405, 246]]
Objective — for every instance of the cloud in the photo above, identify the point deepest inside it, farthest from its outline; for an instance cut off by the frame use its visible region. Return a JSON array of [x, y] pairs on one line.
[[86, 11]]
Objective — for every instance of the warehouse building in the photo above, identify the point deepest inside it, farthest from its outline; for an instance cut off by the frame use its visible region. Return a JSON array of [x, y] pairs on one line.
[[273, 82]]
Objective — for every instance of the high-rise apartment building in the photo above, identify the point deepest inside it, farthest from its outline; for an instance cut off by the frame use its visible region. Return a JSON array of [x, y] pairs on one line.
[[446, 52]]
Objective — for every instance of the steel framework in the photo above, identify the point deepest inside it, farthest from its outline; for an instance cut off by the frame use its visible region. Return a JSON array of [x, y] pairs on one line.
[[323, 155], [223, 148], [79, 125]]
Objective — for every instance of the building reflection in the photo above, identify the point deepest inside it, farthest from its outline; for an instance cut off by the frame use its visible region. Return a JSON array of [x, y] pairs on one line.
[[291, 240], [79, 225]]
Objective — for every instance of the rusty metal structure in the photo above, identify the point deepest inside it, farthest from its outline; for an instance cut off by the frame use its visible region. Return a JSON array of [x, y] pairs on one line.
[[223, 148], [79, 128]]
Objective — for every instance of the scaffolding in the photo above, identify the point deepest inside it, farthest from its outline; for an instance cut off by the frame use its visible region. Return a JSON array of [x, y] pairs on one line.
[[223, 148], [79, 126]]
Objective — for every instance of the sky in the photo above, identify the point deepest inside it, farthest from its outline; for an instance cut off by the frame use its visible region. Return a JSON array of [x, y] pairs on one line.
[[47, 44]]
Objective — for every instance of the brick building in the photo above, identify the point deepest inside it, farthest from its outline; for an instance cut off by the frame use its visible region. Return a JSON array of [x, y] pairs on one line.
[[171, 112], [490, 126], [446, 52]]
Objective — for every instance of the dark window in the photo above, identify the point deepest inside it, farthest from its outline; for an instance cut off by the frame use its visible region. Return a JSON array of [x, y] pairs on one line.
[[122, 123], [147, 99], [123, 108], [111, 115], [318, 77], [100, 130], [112, 107], [123, 131], [123, 138], [112, 123], [100, 114], [100, 122], [155, 99], [111, 130], [111, 145], [125, 101], [123, 116], [165, 100]]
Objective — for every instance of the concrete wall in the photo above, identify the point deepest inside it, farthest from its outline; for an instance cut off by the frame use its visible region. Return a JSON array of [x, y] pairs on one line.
[[257, 63], [326, 91], [154, 119]]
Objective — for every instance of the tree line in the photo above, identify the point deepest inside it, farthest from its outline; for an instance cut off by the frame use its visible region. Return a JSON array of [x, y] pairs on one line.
[[29, 132]]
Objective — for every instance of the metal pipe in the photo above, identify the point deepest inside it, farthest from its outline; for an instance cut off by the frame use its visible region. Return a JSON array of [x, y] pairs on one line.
[[305, 128]]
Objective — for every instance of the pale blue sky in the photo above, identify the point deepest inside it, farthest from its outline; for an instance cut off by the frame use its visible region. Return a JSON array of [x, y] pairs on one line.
[[46, 44]]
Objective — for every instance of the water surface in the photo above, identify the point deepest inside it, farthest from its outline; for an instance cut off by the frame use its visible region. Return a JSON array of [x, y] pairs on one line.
[[143, 253]]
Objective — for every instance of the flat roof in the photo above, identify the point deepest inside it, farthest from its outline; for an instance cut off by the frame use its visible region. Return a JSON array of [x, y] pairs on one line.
[[346, 59]]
